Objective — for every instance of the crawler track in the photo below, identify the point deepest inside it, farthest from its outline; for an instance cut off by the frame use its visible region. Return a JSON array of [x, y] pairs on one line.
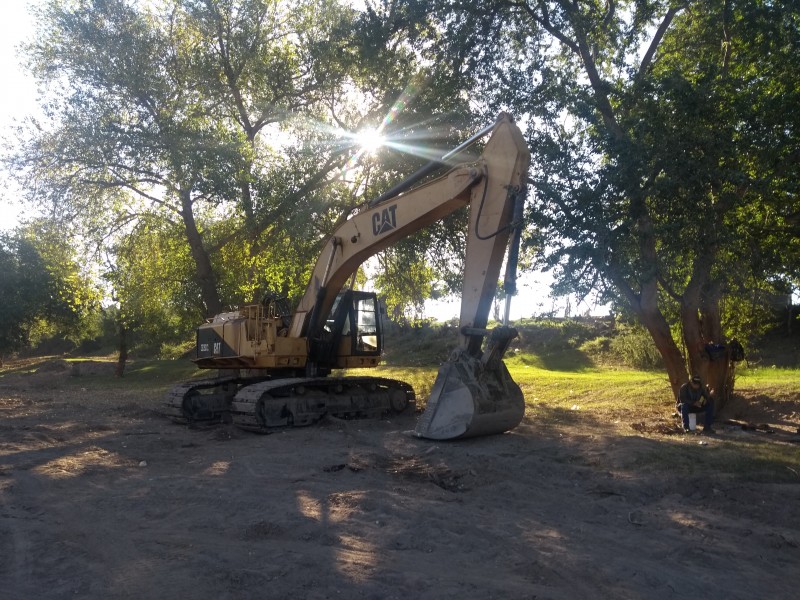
[[297, 402], [201, 401], [266, 405]]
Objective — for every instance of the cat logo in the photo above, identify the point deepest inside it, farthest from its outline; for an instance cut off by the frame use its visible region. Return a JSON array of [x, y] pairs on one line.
[[384, 220]]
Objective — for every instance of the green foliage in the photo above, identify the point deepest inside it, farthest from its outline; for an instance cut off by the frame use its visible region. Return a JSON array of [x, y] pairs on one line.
[[565, 345], [213, 135], [175, 351], [151, 282], [628, 346], [598, 348], [200, 147], [168, 112], [419, 344], [751, 310], [543, 336], [24, 291], [634, 345], [404, 282], [73, 306], [274, 262], [660, 143], [44, 292]]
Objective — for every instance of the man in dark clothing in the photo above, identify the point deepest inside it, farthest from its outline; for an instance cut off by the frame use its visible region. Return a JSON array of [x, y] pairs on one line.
[[694, 398]]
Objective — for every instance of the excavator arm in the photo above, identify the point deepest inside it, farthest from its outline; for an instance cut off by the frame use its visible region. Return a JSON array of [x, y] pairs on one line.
[[473, 393]]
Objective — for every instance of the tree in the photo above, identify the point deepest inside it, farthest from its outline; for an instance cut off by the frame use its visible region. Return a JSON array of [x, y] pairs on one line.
[[222, 120], [43, 290], [72, 308], [24, 292], [163, 111], [405, 282], [149, 274], [661, 150]]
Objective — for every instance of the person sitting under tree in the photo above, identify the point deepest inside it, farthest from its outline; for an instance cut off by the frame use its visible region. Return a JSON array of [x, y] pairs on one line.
[[694, 398]]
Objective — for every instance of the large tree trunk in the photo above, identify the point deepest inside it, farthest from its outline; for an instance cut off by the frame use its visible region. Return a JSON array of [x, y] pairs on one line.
[[651, 317], [708, 352], [645, 303], [645, 306], [655, 323], [204, 272]]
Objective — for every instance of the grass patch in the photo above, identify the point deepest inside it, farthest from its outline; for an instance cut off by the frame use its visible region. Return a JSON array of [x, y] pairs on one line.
[[155, 375], [768, 375], [623, 403], [420, 378], [144, 375], [596, 395]]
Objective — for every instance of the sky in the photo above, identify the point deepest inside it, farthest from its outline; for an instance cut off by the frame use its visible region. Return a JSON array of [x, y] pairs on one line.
[[19, 93]]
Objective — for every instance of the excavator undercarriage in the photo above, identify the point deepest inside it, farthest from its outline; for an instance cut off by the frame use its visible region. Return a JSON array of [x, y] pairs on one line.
[[265, 405]]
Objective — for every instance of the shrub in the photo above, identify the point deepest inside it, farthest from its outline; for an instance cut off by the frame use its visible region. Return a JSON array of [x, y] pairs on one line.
[[598, 348], [172, 351], [634, 346]]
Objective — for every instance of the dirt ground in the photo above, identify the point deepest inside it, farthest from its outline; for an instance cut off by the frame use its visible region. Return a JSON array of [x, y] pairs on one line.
[[101, 497]]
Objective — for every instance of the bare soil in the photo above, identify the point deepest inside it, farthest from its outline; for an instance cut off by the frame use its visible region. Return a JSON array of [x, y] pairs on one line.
[[101, 497]]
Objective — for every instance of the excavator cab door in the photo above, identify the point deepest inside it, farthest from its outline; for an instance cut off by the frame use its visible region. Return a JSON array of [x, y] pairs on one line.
[[355, 316], [366, 325]]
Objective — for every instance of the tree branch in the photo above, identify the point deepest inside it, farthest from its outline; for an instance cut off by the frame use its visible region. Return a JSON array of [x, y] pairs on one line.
[[264, 222], [647, 59]]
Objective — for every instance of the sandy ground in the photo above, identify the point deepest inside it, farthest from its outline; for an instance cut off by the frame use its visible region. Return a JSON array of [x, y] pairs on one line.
[[100, 497]]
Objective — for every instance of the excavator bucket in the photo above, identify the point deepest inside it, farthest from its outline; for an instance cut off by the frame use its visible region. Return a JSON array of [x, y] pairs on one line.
[[470, 398]]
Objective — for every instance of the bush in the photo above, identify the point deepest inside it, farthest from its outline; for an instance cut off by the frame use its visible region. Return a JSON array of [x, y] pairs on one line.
[[634, 347], [172, 351], [599, 348], [548, 336]]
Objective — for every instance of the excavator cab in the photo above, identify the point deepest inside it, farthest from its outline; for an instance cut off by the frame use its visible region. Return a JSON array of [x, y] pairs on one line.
[[351, 336]]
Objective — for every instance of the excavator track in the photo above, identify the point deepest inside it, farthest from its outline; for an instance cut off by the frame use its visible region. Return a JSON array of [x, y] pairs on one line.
[[295, 402], [201, 401]]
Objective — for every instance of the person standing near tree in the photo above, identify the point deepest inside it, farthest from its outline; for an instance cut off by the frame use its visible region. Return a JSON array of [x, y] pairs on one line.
[[693, 397]]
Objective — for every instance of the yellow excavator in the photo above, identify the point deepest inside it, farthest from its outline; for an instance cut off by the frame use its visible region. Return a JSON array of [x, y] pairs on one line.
[[280, 363]]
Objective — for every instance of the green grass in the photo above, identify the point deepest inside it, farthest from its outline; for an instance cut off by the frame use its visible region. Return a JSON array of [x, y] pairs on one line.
[[771, 375], [146, 375], [420, 378], [599, 395], [628, 404]]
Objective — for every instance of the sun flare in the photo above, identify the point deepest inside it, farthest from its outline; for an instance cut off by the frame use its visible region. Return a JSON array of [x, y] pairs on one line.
[[369, 140]]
